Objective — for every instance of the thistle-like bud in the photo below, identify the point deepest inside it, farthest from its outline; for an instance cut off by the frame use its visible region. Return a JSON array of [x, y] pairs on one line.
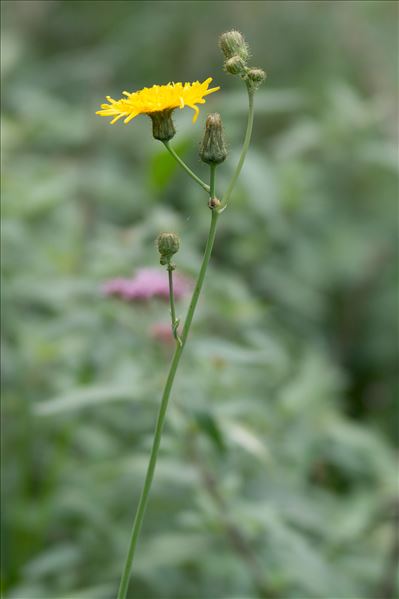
[[168, 244], [255, 77], [162, 125], [213, 149], [232, 43], [235, 65]]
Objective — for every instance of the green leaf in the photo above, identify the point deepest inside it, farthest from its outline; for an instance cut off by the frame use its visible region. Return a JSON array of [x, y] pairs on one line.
[[88, 397]]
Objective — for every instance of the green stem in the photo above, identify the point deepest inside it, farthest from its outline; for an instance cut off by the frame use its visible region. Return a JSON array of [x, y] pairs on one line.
[[186, 168], [171, 296], [138, 520], [201, 276], [162, 411], [245, 147], [175, 321], [212, 181]]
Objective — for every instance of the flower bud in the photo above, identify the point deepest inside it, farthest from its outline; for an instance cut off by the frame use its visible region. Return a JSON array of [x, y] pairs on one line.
[[214, 203], [256, 77], [162, 125], [167, 244], [213, 149], [232, 43], [235, 65]]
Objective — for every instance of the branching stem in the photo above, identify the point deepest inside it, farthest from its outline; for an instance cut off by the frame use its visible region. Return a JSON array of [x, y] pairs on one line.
[[215, 213], [162, 410]]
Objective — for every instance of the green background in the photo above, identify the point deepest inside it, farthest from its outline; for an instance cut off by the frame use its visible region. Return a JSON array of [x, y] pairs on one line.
[[277, 471]]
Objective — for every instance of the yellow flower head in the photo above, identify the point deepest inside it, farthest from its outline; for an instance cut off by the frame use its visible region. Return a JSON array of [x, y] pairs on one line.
[[156, 99]]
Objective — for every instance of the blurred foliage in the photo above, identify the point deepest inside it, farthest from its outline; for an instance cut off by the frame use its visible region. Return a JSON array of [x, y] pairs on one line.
[[277, 474]]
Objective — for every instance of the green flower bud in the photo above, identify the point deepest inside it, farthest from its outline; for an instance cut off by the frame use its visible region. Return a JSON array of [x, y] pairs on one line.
[[167, 244], [235, 65], [213, 149], [232, 43], [162, 124], [255, 77]]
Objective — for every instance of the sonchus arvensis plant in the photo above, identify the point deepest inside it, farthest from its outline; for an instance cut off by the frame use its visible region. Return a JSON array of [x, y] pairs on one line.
[[159, 102]]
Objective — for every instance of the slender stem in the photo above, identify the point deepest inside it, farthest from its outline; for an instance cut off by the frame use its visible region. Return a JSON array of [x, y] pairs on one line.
[[201, 276], [162, 411], [245, 147], [212, 181], [175, 321], [138, 520], [186, 168], [171, 296]]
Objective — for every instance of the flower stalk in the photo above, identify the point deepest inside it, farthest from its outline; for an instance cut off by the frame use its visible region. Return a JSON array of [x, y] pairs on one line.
[[245, 147], [185, 167], [175, 321], [168, 245], [138, 521], [212, 181]]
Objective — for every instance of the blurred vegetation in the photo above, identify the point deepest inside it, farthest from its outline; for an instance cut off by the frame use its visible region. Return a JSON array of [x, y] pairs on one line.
[[277, 473]]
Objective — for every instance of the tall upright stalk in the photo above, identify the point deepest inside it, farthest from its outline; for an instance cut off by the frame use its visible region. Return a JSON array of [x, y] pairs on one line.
[[245, 146], [162, 410]]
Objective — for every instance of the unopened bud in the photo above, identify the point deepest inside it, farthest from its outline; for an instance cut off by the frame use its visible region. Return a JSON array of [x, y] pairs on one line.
[[214, 203], [235, 65], [167, 244], [232, 43], [256, 77], [162, 125], [213, 149]]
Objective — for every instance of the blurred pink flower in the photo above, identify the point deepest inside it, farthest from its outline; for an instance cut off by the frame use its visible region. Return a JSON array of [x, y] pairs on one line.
[[146, 284], [162, 332]]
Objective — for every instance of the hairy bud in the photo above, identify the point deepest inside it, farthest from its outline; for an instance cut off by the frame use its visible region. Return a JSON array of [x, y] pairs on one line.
[[256, 77], [162, 125], [232, 43], [168, 244], [213, 148], [235, 65]]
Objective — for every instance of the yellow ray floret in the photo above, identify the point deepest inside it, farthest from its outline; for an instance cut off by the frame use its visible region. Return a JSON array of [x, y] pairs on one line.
[[156, 99]]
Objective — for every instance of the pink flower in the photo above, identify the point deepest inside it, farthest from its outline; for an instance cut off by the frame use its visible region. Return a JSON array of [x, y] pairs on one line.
[[162, 333], [146, 284]]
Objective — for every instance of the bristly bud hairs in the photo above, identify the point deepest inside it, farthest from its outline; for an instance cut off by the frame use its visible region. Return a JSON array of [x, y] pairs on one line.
[[213, 148], [232, 43], [255, 77], [168, 244], [235, 65], [162, 125], [236, 54]]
